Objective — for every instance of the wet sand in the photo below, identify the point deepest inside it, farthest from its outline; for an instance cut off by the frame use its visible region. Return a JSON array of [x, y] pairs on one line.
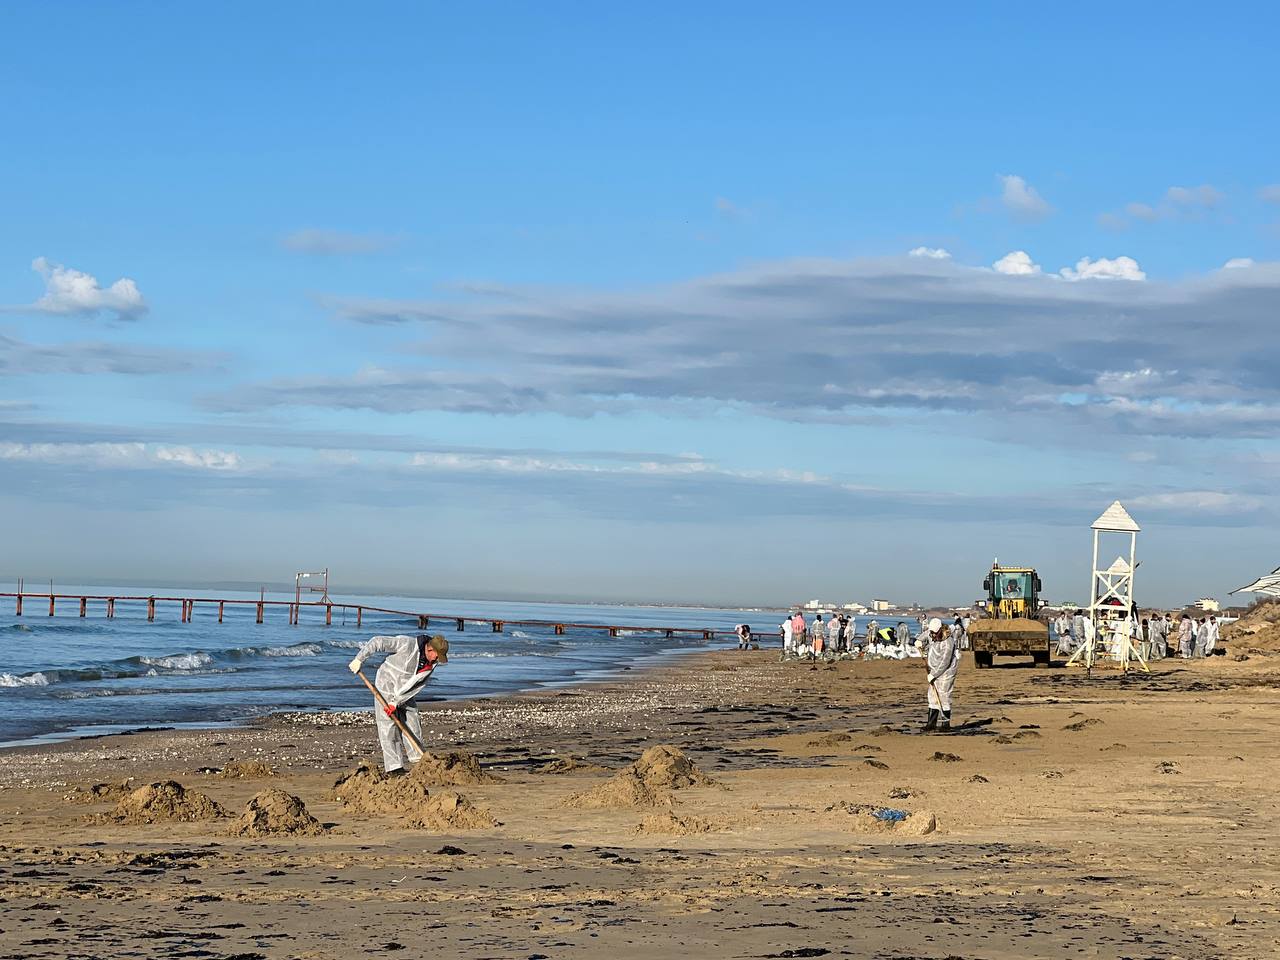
[[1105, 817]]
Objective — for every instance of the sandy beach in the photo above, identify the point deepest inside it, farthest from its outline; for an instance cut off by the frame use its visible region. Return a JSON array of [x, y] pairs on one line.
[[1117, 816]]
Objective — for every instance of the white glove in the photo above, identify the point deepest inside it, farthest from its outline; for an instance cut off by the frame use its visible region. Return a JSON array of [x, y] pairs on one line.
[[355, 665]]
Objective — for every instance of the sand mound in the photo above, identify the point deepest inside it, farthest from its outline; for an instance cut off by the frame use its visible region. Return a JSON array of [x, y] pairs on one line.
[[940, 757], [102, 792], [366, 790], [563, 765], [446, 810], [273, 812], [623, 791], [246, 770], [1084, 724], [667, 767], [165, 801], [670, 824], [863, 819], [875, 764], [830, 740], [1258, 631], [453, 769]]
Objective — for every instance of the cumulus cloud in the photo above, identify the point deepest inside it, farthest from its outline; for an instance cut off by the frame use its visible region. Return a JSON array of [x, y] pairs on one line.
[[931, 253], [1017, 264], [1120, 268], [1021, 199], [74, 292], [330, 243], [1238, 263]]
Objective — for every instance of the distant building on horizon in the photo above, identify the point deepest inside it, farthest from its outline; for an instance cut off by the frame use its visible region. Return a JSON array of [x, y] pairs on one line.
[[1209, 605]]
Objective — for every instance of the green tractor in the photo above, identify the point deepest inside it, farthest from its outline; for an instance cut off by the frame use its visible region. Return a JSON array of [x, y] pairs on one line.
[[1010, 627]]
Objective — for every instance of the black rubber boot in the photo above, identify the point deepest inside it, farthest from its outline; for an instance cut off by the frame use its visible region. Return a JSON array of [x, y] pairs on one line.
[[946, 720], [932, 722]]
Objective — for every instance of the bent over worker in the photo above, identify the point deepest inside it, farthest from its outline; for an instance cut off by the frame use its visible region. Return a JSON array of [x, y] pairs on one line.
[[942, 659], [401, 677]]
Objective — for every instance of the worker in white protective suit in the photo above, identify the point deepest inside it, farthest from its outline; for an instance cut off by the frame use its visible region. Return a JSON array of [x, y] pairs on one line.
[[1212, 633], [409, 664], [942, 659]]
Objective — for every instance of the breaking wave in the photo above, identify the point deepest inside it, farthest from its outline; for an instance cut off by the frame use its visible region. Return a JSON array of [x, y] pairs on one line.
[[27, 680], [179, 661]]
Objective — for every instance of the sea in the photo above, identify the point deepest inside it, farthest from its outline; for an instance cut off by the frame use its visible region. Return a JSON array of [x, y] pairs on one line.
[[65, 676]]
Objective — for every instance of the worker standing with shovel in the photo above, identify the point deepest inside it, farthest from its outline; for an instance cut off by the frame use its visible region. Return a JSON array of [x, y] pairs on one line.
[[942, 660], [400, 678]]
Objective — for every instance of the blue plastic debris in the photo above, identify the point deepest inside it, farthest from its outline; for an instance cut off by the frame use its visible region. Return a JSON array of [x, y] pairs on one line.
[[890, 815]]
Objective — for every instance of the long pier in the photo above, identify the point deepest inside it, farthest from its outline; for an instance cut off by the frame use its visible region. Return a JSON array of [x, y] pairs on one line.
[[187, 607]]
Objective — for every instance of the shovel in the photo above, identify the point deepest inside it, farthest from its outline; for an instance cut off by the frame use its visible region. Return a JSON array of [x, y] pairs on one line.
[[395, 714]]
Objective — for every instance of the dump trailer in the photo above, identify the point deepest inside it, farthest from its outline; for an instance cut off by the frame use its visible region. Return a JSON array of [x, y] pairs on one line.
[[1010, 627]]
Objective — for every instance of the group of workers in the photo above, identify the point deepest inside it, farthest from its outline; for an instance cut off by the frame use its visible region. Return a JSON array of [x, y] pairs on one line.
[[1154, 637], [836, 636]]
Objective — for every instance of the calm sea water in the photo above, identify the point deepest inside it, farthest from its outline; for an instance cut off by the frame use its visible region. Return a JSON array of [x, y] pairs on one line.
[[66, 676]]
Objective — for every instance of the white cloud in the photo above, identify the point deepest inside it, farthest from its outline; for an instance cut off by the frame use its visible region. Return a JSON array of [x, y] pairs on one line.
[[1142, 211], [1209, 501], [1204, 196], [1270, 193], [330, 243], [1239, 263], [129, 455], [69, 291], [1121, 268], [728, 209], [1178, 203], [931, 253], [1023, 200], [1017, 264]]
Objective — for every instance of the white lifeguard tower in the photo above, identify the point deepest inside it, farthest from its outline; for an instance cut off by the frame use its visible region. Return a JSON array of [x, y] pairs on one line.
[[1111, 588], [1111, 591]]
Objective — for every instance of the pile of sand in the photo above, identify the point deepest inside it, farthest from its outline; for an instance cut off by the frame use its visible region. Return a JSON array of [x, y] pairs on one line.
[[246, 770], [165, 801], [563, 765], [446, 810], [1258, 631], [667, 767], [646, 783], [830, 740], [367, 790], [102, 792], [670, 824], [862, 819], [623, 791], [274, 812], [453, 769]]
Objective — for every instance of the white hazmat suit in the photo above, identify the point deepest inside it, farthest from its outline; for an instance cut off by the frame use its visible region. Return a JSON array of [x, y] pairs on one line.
[[400, 679], [942, 657]]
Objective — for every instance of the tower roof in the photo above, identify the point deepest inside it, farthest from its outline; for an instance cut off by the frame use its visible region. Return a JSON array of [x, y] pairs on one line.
[[1116, 518]]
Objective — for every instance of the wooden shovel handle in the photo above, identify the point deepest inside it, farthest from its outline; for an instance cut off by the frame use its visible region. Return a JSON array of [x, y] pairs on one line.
[[394, 714]]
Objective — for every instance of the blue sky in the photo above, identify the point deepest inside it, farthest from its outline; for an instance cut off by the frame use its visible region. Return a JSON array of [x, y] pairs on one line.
[[723, 304]]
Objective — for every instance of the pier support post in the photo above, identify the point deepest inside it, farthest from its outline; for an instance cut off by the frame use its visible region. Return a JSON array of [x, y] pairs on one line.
[[51, 605], [151, 608], [259, 605], [328, 614], [18, 611], [613, 631], [559, 629], [708, 635], [359, 615], [497, 626], [220, 605], [670, 634], [460, 622], [84, 605], [422, 621]]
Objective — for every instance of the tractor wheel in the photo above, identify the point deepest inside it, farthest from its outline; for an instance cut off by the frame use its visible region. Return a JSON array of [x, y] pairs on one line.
[[983, 658]]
